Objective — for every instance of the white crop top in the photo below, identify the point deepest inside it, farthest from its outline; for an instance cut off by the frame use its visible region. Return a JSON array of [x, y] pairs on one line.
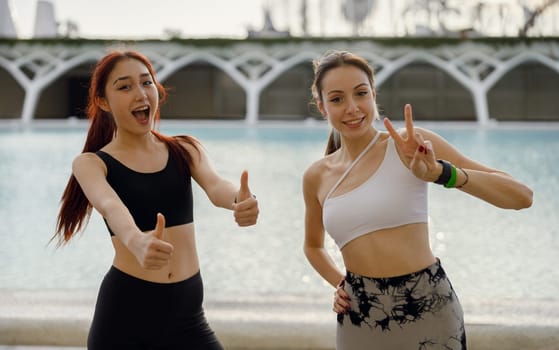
[[391, 197]]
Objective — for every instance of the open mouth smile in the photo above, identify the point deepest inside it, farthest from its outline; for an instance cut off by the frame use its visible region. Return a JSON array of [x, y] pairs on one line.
[[142, 113]]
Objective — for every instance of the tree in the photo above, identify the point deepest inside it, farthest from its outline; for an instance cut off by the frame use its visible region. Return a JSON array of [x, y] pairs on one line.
[[532, 15]]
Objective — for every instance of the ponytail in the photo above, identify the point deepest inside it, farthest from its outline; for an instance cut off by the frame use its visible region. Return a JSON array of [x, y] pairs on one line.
[[333, 143], [75, 209]]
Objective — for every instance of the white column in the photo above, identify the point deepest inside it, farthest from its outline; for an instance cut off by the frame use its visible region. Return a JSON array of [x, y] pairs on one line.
[[29, 105], [482, 109], [252, 103]]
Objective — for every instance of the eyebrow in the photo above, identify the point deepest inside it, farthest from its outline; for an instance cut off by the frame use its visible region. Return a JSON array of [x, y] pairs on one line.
[[126, 77], [355, 87]]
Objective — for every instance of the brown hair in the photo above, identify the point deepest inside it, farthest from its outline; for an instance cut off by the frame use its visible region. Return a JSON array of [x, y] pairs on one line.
[[329, 61], [75, 209]]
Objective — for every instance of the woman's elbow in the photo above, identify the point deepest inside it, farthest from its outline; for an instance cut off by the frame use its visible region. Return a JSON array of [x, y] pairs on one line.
[[310, 251], [306, 250], [523, 200], [527, 199]]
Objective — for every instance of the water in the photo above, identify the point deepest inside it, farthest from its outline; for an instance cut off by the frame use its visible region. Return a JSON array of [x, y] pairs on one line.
[[498, 260]]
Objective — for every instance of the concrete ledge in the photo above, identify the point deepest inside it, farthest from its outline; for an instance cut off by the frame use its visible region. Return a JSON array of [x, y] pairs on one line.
[[242, 335], [61, 319], [270, 336], [493, 337]]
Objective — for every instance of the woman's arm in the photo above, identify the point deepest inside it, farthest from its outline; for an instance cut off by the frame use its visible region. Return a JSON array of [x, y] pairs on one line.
[[314, 232], [491, 185], [420, 149], [221, 192], [149, 249]]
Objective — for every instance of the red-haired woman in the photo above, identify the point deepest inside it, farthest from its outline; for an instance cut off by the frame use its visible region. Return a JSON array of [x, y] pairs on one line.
[[140, 182]]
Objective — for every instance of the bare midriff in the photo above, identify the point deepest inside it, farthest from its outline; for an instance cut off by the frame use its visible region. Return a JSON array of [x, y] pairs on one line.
[[390, 252], [182, 265]]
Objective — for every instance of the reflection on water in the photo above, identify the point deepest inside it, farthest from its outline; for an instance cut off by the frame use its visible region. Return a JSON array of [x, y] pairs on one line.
[[492, 255]]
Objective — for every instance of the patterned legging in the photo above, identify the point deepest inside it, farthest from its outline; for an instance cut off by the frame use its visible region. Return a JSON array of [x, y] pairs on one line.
[[415, 311]]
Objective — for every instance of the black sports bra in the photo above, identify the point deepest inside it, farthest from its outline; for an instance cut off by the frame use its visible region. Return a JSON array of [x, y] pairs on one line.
[[146, 194]]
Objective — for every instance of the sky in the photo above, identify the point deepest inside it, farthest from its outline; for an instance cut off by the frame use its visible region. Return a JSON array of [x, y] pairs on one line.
[[137, 19], [141, 18]]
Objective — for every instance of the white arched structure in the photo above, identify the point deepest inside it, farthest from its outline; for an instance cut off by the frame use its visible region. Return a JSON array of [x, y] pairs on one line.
[[253, 66]]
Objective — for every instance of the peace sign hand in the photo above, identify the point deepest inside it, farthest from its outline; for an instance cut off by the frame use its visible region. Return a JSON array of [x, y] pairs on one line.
[[418, 153]]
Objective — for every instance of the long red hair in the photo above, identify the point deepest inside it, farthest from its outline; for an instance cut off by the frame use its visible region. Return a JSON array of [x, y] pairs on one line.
[[75, 209]]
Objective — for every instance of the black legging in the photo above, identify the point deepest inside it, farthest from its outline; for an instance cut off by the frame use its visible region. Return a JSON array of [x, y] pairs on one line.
[[135, 314]]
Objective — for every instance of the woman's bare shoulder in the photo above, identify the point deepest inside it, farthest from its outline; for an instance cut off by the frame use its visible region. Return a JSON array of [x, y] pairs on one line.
[[88, 163], [316, 168], [316, 173], [87, 158]]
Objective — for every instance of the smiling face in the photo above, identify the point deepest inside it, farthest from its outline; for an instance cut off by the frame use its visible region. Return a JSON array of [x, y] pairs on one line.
[[130, 96], [347, 99]]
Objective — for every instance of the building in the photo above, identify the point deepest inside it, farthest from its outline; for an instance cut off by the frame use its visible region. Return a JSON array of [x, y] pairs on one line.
[[7, 27], [481, 79]]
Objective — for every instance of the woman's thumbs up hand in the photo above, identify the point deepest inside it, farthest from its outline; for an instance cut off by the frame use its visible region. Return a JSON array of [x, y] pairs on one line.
[[153, 252], [245, 208]]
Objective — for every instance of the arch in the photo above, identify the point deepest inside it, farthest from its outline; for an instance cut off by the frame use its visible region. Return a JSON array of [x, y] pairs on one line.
[[255, 87], [14, 72], [288, 96], [12, 95], [528, 92], [33, 93], [66, 96], [433, 93], [254, 71], [475, 55], [201, 90], [377, 62], [183, 61], [283, 66], [411, 57], [513, 62], [68, 65]]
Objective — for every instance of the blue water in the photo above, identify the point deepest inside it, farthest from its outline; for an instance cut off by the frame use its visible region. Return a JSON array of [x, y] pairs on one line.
[[491, 255]]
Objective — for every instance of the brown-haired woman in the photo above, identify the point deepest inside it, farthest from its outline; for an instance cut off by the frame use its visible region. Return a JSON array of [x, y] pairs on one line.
[[369, 193], [140, 182]]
